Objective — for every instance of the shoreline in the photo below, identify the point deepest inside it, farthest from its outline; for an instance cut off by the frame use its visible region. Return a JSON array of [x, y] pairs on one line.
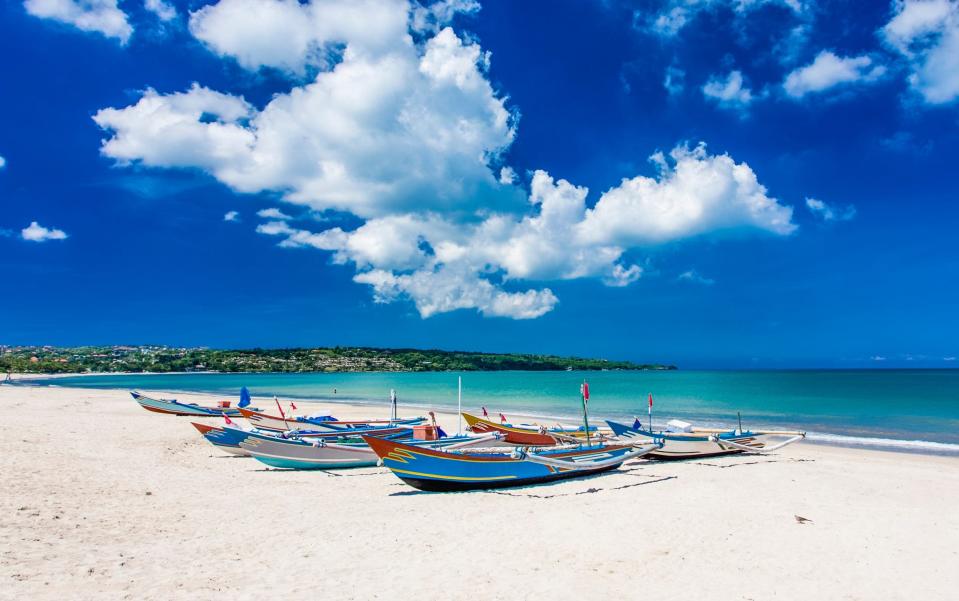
[[904, 446]]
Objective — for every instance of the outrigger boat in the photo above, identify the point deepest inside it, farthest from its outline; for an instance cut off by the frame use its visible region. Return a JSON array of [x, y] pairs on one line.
[[230, 436], [265, 421], [175, 407], [682, 441], [529, 434], [320, 454], [442, 470]]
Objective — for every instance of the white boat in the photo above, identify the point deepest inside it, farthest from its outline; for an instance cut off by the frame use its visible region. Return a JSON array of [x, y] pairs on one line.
[[686, 442]]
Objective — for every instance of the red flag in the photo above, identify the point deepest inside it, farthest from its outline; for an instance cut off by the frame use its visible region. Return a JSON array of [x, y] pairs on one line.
[[485, 414], [650, 400], [292, 405], [283, 415], [229, 422], [502, 418], [585, 390]]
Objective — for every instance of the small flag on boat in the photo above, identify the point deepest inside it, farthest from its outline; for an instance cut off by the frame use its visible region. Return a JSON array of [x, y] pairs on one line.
[[485, 414], [584, 390], [637, 425], [229, 421], [244, 397], [292, 405], [650, 401], [502, 418]]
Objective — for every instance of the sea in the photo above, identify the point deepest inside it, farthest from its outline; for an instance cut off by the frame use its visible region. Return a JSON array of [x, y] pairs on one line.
[[906, 410]]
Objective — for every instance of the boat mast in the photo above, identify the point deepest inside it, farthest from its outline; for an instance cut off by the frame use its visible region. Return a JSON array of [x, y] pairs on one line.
[[459, 405], [584, 393]]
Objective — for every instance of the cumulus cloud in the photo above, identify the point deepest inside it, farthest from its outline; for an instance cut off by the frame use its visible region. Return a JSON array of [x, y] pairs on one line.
[[830, 213], [435, 16], [694, 193], [828, 71], [37, 233], [162, 9], [272, 213], [729, 92], [290, 35], [3, 162], [418, 126], [231, 216], [926, 34], [404, 131], [101, 16], [420, 256]]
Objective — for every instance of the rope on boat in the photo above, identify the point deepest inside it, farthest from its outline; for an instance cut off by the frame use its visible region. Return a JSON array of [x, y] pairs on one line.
[[742, 447]]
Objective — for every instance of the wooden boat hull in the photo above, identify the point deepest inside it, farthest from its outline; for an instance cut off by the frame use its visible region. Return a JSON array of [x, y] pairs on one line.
[[298, 455], [686, 445], [439, 471], [173, 407], [265, 421], [221, 438], [304, 455]]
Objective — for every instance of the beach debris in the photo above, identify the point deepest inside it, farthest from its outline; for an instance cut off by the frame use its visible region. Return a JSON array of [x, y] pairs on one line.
[[801, 520]]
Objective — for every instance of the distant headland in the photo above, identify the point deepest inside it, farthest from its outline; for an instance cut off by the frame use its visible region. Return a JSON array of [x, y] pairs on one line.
[[163, 359]]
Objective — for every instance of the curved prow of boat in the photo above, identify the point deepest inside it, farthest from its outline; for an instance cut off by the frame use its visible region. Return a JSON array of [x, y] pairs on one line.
[[225, 439]]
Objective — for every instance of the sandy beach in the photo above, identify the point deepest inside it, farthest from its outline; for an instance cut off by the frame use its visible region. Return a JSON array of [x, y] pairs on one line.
[[102, 499]]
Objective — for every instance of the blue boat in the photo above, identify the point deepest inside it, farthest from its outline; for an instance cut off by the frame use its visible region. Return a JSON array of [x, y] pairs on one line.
[[445, 470]]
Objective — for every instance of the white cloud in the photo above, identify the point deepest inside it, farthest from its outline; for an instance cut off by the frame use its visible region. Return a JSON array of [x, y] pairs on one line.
[[729, 92], [829, 213], [406, 133], [693, 277], [101, 16], [421, 256], [3, 162], [289, 35], [162, 9], [675, 80], [416, 127], [697, 194], [926, 34], [436, 16], [828, 71], [37, 233], [878, 358], [674, 15], [231, 216], [272, 213]]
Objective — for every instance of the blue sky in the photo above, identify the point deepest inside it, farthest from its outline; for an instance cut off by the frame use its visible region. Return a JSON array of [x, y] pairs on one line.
[[715, 183]]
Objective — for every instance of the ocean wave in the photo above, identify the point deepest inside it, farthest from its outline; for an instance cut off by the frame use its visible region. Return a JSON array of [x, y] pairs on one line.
[[897, 444]]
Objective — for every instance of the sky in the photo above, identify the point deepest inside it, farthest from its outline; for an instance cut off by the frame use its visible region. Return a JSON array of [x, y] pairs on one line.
[[711, 183]]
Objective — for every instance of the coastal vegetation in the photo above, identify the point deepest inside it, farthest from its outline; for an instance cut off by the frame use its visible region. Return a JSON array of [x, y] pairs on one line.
[[162, 359]]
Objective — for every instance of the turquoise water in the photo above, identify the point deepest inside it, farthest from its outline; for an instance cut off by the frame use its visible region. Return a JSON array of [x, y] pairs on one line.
[[917, 409]]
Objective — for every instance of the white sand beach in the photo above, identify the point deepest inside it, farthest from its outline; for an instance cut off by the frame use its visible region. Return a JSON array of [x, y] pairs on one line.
[[103, 500]]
